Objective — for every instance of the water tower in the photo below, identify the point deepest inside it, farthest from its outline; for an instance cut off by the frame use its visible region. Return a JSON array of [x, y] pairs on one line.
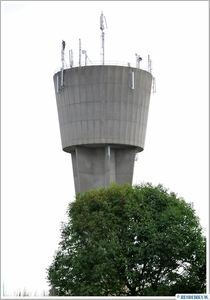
[[103, 111]]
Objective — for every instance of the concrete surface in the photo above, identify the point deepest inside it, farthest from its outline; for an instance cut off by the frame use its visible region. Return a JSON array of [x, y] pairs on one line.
[[98, 108]]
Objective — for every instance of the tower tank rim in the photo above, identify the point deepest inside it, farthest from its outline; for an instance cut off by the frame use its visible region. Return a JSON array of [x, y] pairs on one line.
[[69, 149], [114, 65]]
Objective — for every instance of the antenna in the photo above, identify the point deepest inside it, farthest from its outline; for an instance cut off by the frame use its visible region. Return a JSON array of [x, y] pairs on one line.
[[57, 84], [153, 78], [62, 60], [149, 65], [71, 58], [63, 45], [102, 19], [108, 152], [138, 59], [80, 52], [132, 80]]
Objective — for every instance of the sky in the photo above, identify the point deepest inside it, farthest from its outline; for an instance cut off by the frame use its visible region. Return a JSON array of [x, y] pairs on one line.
[[37, 180]]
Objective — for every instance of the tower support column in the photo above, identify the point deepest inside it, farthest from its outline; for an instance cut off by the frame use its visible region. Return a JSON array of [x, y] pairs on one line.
[[94, 168]]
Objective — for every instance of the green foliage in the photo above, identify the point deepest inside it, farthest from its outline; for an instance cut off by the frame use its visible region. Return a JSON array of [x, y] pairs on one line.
[[133, 241]]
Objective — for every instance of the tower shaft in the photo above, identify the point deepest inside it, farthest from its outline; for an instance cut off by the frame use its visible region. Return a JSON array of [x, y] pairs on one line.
[[93, 168]]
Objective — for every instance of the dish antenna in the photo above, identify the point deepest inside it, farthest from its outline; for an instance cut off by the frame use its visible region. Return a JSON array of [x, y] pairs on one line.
[[102, 20], [85, 52], [86, 57]]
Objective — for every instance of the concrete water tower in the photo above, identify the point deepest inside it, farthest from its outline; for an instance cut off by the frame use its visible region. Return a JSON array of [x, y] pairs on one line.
[[103, 111]]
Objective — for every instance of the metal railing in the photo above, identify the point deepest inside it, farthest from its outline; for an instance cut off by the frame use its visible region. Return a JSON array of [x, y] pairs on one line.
[[98, 63]]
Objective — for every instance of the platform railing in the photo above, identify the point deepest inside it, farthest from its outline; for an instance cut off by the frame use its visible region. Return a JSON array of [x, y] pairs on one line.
[[98, 63]]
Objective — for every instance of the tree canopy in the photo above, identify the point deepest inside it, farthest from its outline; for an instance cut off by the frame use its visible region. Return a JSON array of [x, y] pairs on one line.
[[129, 240]]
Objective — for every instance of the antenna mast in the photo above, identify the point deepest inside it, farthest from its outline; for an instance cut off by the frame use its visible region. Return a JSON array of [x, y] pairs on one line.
[[62, 60], [62, 53], [149, 65], [102, 19], [71, 62], [80, 52], [153, 78]]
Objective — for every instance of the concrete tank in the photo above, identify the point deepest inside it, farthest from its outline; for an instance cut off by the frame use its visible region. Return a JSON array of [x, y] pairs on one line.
[[103, 112]]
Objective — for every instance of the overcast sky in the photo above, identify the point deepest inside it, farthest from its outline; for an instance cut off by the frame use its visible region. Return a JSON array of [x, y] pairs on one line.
[[37, 179]]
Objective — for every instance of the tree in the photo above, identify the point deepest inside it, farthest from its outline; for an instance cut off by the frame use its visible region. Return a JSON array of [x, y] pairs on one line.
[[134, 241]]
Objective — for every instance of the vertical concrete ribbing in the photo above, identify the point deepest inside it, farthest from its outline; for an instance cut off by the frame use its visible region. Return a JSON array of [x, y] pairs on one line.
[[98, 108]]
